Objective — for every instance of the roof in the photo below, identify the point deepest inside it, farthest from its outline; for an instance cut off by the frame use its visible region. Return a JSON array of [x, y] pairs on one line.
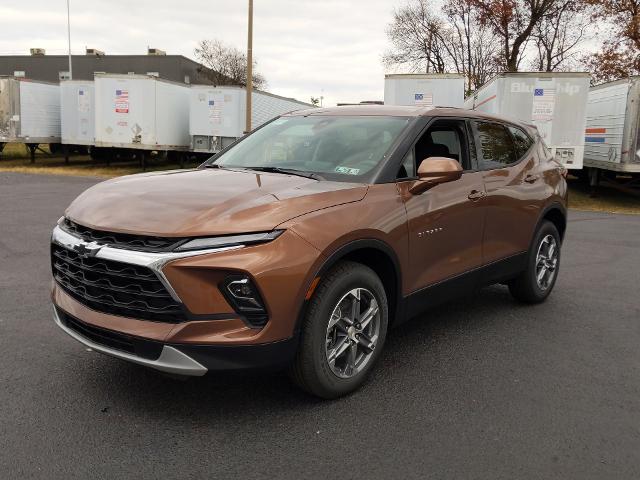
[[364, 110], [629, 79], [423, 76], [541, 75], [399, 111], [176, 68], [255, 90]]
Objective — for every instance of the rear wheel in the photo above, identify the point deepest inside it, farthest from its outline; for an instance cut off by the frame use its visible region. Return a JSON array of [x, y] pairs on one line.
[[343, 332], [536, 283]]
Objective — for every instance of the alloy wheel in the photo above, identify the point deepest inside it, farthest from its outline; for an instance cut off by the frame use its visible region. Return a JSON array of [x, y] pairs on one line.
[[352, 333], [546, 262]]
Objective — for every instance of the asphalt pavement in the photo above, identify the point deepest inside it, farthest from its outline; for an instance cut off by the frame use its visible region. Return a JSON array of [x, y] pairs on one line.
[[482, 388]]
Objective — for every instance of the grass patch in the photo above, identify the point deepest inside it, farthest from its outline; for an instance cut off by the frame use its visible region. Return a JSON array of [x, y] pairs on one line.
[[16, 151], [16, 158], [607, 200]]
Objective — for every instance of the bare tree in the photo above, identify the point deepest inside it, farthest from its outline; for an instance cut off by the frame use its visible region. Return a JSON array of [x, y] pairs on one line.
[[428, 38], [226, 65], [514, 21], [416, 36], [473, 48], [558, 35]]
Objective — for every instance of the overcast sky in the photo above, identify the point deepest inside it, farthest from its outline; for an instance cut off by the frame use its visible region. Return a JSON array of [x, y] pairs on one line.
[[303, 47]]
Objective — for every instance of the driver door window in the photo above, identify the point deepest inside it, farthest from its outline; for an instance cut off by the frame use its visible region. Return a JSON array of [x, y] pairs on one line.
[[444, 139]]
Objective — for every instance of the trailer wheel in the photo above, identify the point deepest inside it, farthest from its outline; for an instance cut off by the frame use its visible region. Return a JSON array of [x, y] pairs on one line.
[[582, 175], [32, 147]]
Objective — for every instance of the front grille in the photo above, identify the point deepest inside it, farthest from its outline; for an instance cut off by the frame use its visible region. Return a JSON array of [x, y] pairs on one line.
[[115, 340], [114, 287], [122, 240]]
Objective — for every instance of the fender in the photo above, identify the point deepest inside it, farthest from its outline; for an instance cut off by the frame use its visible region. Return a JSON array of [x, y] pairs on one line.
[[551, 206], [341, 252]]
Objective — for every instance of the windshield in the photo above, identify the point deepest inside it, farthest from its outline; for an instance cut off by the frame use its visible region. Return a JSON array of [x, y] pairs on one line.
[[333, 147]]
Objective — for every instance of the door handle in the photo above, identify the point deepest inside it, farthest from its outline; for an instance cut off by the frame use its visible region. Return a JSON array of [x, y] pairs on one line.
[[531, 178], [476, 195]]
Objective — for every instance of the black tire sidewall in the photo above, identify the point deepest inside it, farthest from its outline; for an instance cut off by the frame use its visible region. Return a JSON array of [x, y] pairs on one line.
[[356, 276], [547, 228]]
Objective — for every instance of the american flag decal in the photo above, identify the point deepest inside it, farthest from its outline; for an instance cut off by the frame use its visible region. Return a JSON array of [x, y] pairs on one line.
[[544, 92], [544, 100], [424, 99], [122, 101]]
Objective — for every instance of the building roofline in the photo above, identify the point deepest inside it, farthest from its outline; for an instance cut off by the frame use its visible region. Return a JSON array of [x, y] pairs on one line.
[[82, 55]]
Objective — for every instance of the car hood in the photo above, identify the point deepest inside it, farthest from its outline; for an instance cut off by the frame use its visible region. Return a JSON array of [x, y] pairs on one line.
[[205, 202]]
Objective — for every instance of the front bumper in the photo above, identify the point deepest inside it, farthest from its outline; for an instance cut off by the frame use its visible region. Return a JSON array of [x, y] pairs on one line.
[[184, 359], [281, 270]]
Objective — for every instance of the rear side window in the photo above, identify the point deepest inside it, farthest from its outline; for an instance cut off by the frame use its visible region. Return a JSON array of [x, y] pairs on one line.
[[496, 146], [521, 140]]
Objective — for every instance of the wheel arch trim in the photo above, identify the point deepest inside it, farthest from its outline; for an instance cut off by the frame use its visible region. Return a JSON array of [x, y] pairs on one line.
[[343, 251], [546, 210]]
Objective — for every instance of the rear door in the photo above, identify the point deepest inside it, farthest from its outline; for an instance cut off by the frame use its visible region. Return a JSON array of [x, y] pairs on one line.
[[514, 186], [445, 223]]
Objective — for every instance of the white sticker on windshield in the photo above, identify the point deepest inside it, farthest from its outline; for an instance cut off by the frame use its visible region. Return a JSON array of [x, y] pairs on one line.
[[347, 170], [280, 121]]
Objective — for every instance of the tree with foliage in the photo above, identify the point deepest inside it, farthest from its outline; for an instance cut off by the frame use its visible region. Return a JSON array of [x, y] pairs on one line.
[[226, 65], [315, 101], [620, 54]]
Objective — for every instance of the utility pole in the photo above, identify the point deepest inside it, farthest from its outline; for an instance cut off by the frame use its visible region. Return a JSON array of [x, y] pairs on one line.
[[249, 68], [69, 39]]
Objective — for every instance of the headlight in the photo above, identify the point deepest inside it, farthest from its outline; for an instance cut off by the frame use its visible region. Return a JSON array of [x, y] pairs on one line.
[[229, 241]]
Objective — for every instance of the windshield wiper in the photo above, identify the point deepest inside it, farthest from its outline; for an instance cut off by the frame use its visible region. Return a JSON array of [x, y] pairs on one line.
[[287, 171]]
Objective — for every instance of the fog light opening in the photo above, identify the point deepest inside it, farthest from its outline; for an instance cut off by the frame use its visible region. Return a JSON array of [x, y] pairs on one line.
[[242, 290], [243, 296]]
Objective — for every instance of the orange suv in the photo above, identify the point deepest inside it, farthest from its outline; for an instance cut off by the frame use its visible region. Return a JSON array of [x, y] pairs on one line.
[[302, 243]]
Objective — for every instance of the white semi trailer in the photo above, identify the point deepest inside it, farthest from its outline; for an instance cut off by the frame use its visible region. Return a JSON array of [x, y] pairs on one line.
[[217, 115], [29, 113], [612, 135], [141, 113], [77, 114], [555, 103], [424, 90]]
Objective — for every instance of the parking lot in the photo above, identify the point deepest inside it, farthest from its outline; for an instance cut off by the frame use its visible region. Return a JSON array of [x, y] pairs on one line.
[[482, 388]]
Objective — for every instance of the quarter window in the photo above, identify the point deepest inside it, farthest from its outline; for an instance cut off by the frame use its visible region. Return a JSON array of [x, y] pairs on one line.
[[521, 140], [408, 167], [496, 146]]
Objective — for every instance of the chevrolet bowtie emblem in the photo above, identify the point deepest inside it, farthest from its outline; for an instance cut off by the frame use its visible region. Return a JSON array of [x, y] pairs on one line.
[[87, 250]]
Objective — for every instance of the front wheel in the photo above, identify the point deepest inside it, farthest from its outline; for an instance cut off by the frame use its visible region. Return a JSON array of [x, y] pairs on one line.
[[536, 283], [343, 332]]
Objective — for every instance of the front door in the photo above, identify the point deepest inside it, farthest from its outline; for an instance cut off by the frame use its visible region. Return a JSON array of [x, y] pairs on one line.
[[445, 223]]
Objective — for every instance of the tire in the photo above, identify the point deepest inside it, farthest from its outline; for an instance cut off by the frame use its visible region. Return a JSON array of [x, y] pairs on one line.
[[526, 287], [322, 335]]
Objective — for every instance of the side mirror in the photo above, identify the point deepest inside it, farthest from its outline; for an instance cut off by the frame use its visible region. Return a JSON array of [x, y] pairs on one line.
[[435, 170]]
